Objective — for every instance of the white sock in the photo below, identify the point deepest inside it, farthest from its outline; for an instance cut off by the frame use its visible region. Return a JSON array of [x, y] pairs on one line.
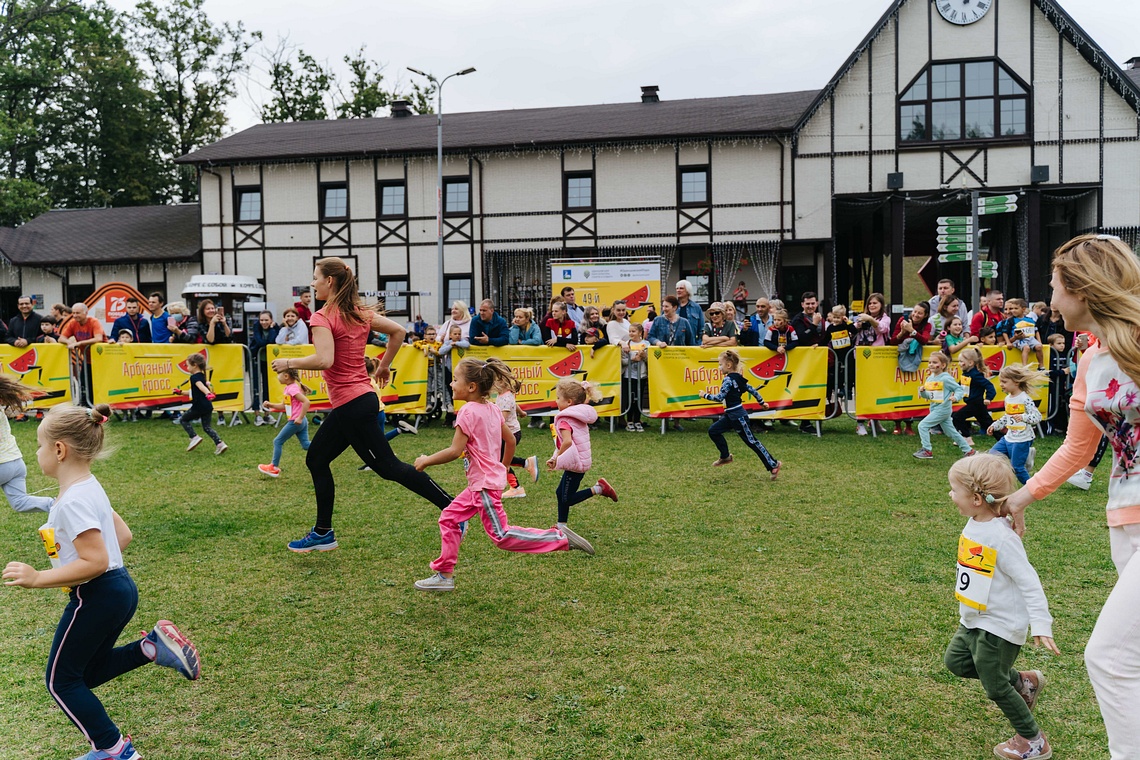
[[117, 748], [149, 650], [561, 526], [596, 489], [1038, 741]]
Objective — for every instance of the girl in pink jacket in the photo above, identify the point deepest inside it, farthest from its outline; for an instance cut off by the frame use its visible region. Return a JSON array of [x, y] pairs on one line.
[[572, 442]]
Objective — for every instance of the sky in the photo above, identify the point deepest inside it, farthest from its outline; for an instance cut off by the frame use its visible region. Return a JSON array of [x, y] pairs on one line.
[[538, 53]]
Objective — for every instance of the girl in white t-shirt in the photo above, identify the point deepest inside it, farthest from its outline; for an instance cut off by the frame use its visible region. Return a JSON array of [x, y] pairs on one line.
[[13, 473], [1021, 415], [84, 539]]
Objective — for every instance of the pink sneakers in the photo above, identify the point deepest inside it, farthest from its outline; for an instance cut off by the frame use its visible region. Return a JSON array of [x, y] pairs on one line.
[[1020, 748], [607, 490]]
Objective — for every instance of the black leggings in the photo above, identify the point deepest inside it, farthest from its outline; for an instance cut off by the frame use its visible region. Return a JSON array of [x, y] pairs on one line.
[[206, 415], [354, 424], [568, 493], [975, 409], [739, 424]]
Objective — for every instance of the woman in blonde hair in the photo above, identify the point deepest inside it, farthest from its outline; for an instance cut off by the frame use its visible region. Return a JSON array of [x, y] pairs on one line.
[[1096, 287]]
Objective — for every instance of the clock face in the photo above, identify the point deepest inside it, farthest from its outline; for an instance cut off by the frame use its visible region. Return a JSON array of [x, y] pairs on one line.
[[963, 12]]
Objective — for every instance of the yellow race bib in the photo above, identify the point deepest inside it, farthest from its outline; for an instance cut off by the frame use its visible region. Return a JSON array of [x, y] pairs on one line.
[[934, 391], [976, 563], [1012, 409]]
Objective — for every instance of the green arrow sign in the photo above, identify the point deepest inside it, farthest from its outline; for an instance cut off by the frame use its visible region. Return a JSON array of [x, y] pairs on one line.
[[948, 258], [997, 200], [987, 265], [955, 248], [942, 220], [955, 229], [1006, 209], [955, 239]]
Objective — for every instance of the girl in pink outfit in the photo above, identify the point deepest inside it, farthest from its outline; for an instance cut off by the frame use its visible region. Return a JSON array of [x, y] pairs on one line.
[[572, 441], [482, 434]]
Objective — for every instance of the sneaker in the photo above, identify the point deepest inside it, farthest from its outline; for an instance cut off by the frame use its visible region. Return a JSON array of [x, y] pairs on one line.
[[1082, 479], [970, 440], [678, 427], [194, 443], [722, 461], [1032, 682], [897, 430], [173, 650], [574, 541], [639, 427], [314, 542], [258, 420], [531, 466], [220, 448], [268, 469], [436, 583], [1020, 748], [407, 427], [910, 431], [924, 454], [776, 470], [364, 468], [860, 429], [630, 427], [607, 491], [514, 493], [316, 420], [969, 453], [1029, 459], [126, 753]]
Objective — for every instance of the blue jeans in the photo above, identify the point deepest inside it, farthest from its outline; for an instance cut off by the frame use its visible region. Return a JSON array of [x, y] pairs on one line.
[[299, 429], [1017, 453]]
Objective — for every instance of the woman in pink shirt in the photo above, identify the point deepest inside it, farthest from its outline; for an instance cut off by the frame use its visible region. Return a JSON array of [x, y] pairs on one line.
[[1096, 287], [340, 332]]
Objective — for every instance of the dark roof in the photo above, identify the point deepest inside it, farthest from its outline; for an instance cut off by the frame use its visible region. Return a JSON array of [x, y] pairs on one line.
[[700, 117], [106, 235], [1134, 75]]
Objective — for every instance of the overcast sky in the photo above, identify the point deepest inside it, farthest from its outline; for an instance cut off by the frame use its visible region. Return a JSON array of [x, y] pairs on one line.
[[538, 53]]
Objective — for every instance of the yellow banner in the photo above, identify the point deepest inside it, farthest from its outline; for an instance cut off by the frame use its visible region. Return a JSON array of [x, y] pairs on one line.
[[157, 375], [541, 368], [883, 391], [43, 367], [405, 393], [599, 283], [794, 384]]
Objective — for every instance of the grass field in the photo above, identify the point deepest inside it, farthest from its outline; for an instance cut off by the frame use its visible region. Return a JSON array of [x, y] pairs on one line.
[[724, 616]]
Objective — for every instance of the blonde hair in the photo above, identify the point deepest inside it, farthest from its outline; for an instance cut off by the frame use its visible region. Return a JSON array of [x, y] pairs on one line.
[[973, 355], [1020, 303], [526, 312], [781, 314], [839, 310], [295, 376], [80, 428], [577, 391], [940, 357], [176, 307], [1104, 274], [13, 393], [732, 358], [989, 476], [1023, 377], [504, 379]]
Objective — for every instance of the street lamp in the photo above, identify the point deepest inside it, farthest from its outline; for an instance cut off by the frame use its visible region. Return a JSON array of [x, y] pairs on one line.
[[439, 170]]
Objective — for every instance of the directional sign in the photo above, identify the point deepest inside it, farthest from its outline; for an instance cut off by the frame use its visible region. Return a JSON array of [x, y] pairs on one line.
[[956, 229], [942, 220], [997, 200], [1008, 208], [955, 248], [947, 258], [955, 239], [986, 265]]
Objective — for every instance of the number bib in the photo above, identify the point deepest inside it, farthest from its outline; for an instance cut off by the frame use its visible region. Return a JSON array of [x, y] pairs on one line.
[[976, 564], [47, 535], [934, 391], [840, 339], [1018, 409]]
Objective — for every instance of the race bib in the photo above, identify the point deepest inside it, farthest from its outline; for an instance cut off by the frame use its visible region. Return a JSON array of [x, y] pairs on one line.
[[840, 339], [976, 564], [782, 339], [47, 535], [934, 391], [1014, 425]]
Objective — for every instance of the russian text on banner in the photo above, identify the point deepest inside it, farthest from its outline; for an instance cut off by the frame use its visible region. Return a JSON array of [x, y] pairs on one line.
[[794, 384], [600, 284], [405, 393], [157, 375], [885, 392], [540, 368], [43, 367]]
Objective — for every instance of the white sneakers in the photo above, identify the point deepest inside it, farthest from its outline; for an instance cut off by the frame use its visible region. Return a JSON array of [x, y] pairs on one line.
[[194, 443], [1082, 480]]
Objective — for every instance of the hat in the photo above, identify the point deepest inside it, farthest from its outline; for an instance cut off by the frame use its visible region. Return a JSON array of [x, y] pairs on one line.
[[716, 306]]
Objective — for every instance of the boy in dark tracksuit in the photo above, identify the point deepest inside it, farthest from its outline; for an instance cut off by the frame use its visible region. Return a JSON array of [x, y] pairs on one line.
[[732, 390]]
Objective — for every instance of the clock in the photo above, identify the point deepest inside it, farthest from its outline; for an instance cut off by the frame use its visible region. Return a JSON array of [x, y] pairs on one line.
[[963, 12]]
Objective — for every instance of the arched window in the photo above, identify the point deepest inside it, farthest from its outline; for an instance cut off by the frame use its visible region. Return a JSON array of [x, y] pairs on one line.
[[964, 101]]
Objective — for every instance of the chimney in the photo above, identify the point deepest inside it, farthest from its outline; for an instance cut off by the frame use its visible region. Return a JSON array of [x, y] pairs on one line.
[[649, 94], [400, 109], [1132, 63]]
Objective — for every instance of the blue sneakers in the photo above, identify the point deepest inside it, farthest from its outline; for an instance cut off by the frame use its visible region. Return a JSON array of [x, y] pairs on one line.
[[314, 542], [126, 753], [462, 531], [173, 650]]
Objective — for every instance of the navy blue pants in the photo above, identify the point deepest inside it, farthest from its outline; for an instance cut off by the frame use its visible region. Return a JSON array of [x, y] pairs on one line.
[[84, 655], [739, 423], [568, 493]]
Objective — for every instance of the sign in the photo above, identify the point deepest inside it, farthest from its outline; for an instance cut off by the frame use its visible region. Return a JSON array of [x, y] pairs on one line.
[[109, 302], [947, 258], [955, 229], [987, 270], [1008, 209], [600, 284], [43, 367], [955, 248], [997, 200], [957, 220], [955, 239], [405, 393], [157, 375]]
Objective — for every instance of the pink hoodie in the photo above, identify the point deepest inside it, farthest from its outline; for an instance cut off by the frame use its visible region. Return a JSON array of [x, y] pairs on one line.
[[577, 458]]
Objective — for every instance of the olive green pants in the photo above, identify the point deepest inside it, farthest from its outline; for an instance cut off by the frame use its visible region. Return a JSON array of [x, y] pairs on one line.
[[974, 653]]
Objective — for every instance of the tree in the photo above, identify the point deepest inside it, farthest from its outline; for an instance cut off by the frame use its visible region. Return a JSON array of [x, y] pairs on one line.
[[366, 94], [193, 67], [21, 200], [299, 84]]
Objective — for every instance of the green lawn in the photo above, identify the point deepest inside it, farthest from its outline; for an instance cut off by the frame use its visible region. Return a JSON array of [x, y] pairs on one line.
[[724, 616]]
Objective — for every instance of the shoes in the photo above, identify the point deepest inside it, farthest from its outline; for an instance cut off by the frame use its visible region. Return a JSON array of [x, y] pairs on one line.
[[258, 420], [514, 493], [1082, 479], [436, 583], [268, 469], [126, 753], [638, 427], [577, 542], [450, 408], [462, 531], [531, 465], [776, 470], [722, 461], [924, 454], [1030, 459], [176, 419], [314, 542], [910, 431], [220, 448], [678, 427], [407, 427], [172, 649], [630, 427], [194, 443], [807, 427], [1032, 682], [316, 420], [897, 430], [1020, 748], [364, 468], [969, 453], [860, 429], [607, 490], [970, 440]]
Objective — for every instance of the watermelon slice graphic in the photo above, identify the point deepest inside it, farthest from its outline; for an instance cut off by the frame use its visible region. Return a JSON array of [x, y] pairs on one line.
[[995, 362], [568, 366], [185, 366], [637, 297], [770, 368], [24, 362]]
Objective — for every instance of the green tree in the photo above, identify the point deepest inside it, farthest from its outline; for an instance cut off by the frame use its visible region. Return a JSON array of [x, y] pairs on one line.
[[21, 200], [299, 84], [367, 97]]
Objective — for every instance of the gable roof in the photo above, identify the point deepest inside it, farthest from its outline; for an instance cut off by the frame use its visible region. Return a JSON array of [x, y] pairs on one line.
[[105, 236], [740, 115]]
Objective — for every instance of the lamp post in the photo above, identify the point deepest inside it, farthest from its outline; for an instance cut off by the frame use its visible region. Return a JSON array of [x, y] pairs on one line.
[[439, 171]]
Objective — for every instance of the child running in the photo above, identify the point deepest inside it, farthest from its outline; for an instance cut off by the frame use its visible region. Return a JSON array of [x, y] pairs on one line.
[[479, 428], [201, 406], [84, 538], [942, 391], [981, 392], [1000, 597], [297, 404], [572, 446], [1021, 415], [13, 473], [503, 396], [732, 390]]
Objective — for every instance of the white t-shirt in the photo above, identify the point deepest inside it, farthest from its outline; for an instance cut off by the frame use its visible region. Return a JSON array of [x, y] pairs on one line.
[[9, 451], [84, 506], [617, 331], [508, 406]]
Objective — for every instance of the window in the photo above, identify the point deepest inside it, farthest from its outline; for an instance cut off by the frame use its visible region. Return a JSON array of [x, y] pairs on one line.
[[457, 196], [392, 199], [334, 201], [579, 190], [395, 305], [966, 100], [694, 186], [458, 288], [248, 203]]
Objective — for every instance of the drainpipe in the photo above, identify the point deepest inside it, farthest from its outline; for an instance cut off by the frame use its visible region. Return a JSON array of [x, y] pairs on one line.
[[221, 216]]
